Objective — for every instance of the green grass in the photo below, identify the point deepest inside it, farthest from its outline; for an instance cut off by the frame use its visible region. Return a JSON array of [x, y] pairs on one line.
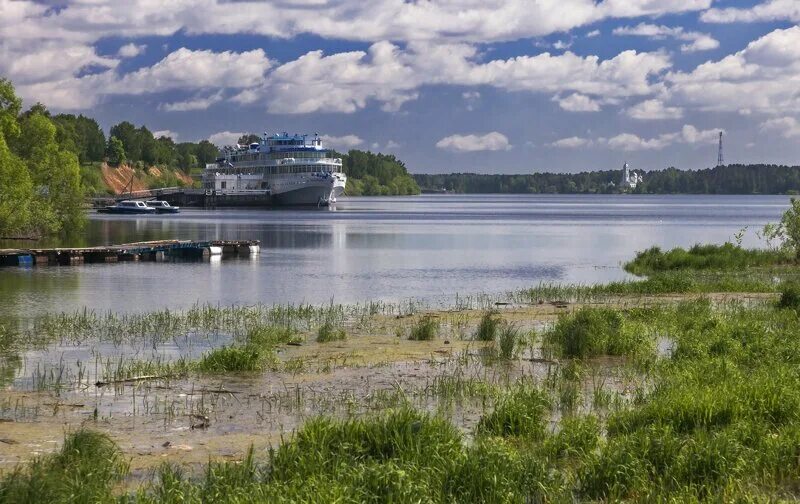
[[84, 470], [507, 341], [727, 256], [231, 359], [591, 332], [521, 411], [426, 329], [327, 332], [790, 296], [488, 326]]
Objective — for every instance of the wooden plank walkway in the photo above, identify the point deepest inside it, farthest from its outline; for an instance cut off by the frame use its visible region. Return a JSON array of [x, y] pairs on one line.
[[140, 251]]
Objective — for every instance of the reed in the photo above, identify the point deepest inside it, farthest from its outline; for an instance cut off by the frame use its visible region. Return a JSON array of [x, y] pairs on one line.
[[488, 326], [425, 329], [327, 333]]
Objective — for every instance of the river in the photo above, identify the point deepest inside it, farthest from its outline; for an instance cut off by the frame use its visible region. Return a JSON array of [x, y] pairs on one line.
[[429, 247]]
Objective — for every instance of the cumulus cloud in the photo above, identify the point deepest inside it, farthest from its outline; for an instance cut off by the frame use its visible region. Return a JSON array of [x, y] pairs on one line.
[[787, 127], [493, 141], [183, 69], [771, 10], [223, 138], [577, 102], [460, 20], [628, 142], [762, 77], [166, 133], [197, 103], [342, 143], [653, 110], [696, 41], [571, 143], [189, 69], [131, 50]]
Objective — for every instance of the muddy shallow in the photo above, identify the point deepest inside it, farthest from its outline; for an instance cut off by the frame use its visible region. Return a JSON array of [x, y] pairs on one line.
[[199, 417]]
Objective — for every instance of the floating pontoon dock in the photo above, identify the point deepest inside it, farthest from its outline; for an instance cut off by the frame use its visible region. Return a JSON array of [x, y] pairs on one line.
[[141, 251]]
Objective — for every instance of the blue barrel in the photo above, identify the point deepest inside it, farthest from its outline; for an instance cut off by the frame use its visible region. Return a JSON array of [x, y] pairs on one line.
[[25, 260]]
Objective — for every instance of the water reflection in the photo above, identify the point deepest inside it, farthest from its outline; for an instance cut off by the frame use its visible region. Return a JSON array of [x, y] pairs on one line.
[[430, 247]]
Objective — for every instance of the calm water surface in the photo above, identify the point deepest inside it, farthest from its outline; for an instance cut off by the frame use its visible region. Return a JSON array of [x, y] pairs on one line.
[[429, 247]]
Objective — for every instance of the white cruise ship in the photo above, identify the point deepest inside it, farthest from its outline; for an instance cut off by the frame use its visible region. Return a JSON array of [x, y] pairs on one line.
[[286, 169]]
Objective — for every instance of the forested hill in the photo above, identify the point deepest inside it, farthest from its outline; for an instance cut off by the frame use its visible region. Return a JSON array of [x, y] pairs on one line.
[[731, 179], [370, 174]]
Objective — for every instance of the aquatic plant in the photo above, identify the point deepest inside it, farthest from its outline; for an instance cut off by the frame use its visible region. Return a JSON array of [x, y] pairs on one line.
[[327, 333], [507, 341], [487, 328], [521, 411], [229, 359], [589, 332], [426, 329], [703, 257]]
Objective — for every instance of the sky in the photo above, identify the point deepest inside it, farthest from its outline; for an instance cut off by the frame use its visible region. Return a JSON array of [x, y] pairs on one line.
[[486, 86]]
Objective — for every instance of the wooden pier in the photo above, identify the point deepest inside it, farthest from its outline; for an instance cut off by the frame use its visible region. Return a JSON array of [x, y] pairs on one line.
[[141, 251]]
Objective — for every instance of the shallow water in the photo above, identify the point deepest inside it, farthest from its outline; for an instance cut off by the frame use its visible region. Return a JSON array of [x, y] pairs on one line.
[[429, 247]]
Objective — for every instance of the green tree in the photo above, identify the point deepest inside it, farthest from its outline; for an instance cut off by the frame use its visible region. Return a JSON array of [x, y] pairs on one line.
[[10, 106], [115, 151], [55, 174], [130, 138], [206, 152], [790, 222], [248, 138], [16, 193]]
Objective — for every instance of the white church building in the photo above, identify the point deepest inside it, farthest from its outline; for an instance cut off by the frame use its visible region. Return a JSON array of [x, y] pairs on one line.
[[630, 179]]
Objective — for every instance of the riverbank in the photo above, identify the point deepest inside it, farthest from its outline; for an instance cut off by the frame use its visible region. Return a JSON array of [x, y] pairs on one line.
[[88, 370]]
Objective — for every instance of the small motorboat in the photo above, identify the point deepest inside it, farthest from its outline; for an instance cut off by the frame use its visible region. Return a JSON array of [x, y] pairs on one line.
[[162, 206], [128, 207]]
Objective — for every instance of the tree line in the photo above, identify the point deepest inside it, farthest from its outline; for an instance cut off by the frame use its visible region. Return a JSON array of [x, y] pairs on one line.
[[40, 181], [730, 179]]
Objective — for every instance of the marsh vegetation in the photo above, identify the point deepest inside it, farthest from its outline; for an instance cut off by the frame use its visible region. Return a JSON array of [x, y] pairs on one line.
[[683, 386]]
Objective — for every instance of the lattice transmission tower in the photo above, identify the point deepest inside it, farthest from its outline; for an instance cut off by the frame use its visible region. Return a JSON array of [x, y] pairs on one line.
[[720, 161]]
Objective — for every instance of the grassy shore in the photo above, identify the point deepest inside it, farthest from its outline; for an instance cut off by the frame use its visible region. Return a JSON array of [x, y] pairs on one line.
[[684, 386]]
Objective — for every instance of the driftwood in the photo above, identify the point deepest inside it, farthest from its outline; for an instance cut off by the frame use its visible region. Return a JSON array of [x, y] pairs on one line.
[[133, 379]]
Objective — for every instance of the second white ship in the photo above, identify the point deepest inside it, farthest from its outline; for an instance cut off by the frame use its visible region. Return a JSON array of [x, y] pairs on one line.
[[289, 169]]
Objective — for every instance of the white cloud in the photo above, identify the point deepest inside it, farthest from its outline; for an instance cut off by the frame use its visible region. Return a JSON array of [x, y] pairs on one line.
[[697, 41], [391, 144], [131, 50], [198, 103], [787, 127], [223, 138], [493, 141], [628, 142], [562, 44], [344, 143], [571, 143], [166, 133], [577, 102], [653, 110], [761, 78], [188, 69], [453, 20], [771, 10], [593, 33], [183, 69]]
